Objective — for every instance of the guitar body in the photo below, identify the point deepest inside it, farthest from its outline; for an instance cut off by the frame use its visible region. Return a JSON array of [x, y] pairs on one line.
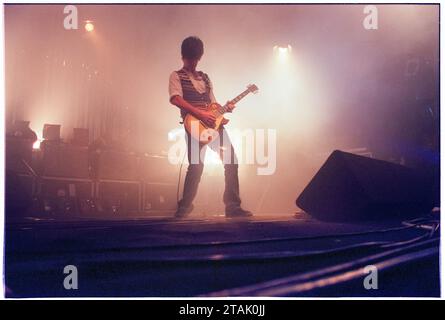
[[202, 132]]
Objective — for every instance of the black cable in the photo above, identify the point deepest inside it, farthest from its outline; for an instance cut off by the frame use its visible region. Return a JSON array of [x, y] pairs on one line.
[[287, 254], [270, 240], [264, 288], [179, 178], [279, 239]]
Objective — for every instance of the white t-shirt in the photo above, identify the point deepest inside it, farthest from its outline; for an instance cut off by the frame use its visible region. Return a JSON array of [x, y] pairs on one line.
[[175, 88]]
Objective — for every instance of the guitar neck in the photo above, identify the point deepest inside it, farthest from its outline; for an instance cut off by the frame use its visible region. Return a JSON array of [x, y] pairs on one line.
[[236, 99]]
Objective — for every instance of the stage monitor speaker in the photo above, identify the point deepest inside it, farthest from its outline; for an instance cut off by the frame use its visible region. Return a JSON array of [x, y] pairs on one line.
[[349, 187]]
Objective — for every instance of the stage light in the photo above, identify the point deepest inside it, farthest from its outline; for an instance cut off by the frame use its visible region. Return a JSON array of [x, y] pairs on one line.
[[282, 53], [36, 144], [283, 50], [89, 26]]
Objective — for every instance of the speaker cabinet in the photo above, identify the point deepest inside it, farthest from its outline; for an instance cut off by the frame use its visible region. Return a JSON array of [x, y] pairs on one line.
[[18, 151], [349, 187], [19, 189], [52, 187], [60, 160], [160, 197], [157, 169], [120, 197], [115, 165]]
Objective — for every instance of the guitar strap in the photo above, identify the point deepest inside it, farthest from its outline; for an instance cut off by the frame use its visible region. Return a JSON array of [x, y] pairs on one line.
[[190, 94], [206, 80]]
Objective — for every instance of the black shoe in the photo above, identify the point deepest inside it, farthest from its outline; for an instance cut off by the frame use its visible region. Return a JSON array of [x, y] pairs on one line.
[[238, 212], [183, 212]]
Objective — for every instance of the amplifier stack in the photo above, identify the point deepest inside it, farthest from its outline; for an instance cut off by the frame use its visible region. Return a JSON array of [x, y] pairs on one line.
[[71, 181]]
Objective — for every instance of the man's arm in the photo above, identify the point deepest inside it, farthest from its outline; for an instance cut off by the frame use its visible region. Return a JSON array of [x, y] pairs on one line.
[[176, 99], [175, 91], [184, 105], [205, 116]]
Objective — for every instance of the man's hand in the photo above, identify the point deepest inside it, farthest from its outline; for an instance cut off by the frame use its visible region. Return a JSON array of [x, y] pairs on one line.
[[207, 117], [230, 106]]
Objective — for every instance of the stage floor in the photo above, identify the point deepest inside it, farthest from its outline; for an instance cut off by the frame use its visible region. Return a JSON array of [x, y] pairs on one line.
[[279, 255]]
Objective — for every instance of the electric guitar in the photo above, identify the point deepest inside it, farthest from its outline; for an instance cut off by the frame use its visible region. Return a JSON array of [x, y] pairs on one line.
[[205, 134]]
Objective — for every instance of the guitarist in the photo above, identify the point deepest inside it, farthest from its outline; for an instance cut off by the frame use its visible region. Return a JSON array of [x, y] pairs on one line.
[[192, 91]]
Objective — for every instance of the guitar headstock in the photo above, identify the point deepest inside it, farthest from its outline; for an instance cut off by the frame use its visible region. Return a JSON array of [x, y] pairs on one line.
[[252, 88]]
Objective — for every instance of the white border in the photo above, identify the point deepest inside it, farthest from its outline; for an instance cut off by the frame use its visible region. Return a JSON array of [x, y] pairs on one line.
[[2, 146], [2, 160]]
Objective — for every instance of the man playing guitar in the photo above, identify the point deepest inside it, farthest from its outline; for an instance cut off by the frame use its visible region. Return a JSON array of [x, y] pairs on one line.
[[192, 92]]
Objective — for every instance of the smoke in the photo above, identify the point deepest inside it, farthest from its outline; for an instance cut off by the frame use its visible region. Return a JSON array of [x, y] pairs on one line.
[[115, 78]]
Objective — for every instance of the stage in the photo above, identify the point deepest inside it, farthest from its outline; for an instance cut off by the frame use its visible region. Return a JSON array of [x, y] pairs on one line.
[[131, 130], [211, 256]]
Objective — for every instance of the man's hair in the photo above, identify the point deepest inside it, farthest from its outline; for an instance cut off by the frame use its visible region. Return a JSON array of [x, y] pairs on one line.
[[192, 48]]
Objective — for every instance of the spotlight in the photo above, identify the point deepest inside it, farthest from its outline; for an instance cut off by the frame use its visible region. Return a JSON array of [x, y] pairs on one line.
[[282, 52], [89, 26], [36, 144]]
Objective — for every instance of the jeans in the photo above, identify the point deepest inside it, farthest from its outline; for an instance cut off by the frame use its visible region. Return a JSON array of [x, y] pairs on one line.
[[223, 146]]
